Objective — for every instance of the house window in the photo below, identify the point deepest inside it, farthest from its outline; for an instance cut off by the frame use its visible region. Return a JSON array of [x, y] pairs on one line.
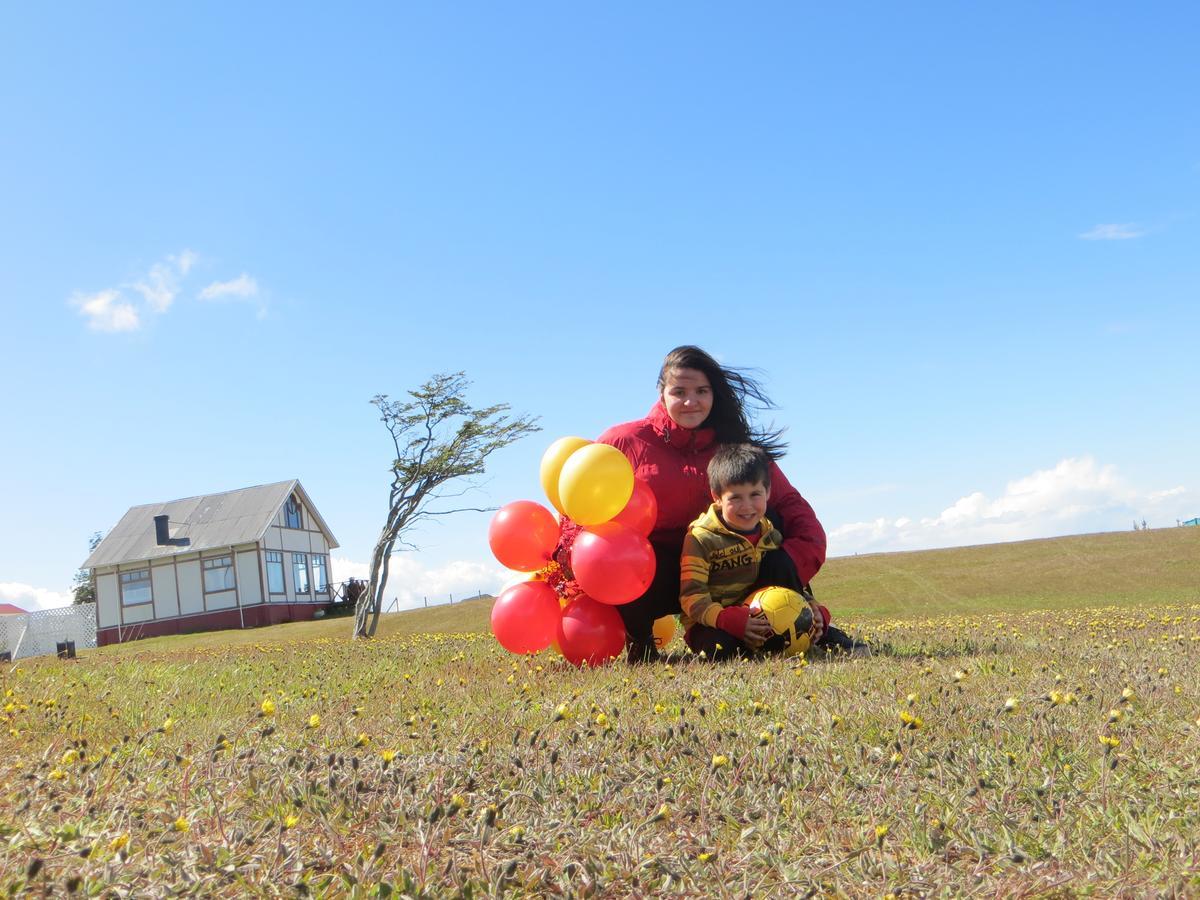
[[300, 572], [320, 579], [218, 574], [291, 513], [275, 572], [135, 587]]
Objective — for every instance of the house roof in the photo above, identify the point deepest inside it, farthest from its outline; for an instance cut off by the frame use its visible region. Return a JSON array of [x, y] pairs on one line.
[[7, 609], [207, 522]]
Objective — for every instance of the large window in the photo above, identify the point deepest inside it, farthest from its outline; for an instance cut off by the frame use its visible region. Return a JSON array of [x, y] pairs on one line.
[[320, 579], [300, 572], [218, 574], [135, 587], [275, 572], [291, 513]]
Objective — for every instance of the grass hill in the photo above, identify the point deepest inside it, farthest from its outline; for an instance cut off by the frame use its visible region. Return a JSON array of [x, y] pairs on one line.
[[1144, 567]]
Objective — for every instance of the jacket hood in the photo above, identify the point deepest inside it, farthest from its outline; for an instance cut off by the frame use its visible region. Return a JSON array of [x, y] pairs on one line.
[[675, 434]]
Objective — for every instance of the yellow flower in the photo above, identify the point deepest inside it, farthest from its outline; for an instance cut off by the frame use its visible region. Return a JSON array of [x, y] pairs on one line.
[[457, 802], [1109, 742], [1127, 694], [1011, 704], [765, 738], [70, 756], [314, 721], [910, 721], [562, 711], [268, 707], [912, 698], [835, 720], [167, 725], [121, 840], [58, 775], [1115, 715], [706, 856], [362, 740], [960, 675], [388, 755], [880, 832], [897, 758], [182, 824], [602, 720], [291, 821], [719, 760]]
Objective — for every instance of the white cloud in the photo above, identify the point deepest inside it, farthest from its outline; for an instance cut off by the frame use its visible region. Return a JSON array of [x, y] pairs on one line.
[[410, 581], [107, 311], [1114, 232], [160, 285], [1076, 496], [242, 287], [30, 598]]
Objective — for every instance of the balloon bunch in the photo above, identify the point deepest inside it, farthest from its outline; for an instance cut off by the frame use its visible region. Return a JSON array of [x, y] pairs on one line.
[[578, 567]]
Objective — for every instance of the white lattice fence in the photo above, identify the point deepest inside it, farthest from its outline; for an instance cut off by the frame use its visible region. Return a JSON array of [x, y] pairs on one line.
[[37, 633]]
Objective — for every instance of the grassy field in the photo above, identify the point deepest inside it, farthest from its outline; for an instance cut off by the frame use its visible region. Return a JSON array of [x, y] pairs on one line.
[[1027, 731]]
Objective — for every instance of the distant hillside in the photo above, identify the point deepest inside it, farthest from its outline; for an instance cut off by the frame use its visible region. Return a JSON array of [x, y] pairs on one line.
[[1156, 566]]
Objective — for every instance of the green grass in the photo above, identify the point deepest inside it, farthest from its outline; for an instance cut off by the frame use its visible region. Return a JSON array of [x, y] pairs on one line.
[[996, 750]]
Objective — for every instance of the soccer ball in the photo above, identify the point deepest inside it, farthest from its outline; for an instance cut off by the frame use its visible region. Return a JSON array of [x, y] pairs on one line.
[[789, 614]]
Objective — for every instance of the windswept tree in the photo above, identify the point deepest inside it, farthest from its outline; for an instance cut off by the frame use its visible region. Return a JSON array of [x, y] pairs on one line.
[[438, 438]]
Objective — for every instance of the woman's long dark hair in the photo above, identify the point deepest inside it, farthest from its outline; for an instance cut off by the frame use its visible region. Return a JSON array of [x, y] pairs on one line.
[[732, 390]]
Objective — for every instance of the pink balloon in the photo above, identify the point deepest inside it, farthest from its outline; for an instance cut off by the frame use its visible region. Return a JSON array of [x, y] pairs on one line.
[[523, 535], [590, 632], [641, 512], [525, 618], [612, 563]]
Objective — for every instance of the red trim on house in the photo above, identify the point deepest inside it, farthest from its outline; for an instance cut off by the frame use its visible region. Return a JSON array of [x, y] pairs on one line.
[[218, 620]]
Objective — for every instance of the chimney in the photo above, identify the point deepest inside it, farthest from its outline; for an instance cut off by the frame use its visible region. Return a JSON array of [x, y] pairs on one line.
[[161, 532]]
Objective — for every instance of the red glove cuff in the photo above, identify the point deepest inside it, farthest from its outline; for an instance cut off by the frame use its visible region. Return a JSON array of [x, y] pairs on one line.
[[824, 614], [733, 619]]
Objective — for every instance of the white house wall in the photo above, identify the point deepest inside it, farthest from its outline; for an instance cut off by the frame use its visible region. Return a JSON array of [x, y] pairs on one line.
[[166, 598], [191, 587], [248, 578], [221, 600], [108, 600], [143, 612]]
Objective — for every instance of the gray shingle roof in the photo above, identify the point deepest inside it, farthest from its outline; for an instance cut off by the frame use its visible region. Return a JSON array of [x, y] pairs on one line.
[[213, 520]]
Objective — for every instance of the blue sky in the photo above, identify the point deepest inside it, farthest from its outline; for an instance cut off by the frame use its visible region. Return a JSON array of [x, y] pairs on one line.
[[960, 241]]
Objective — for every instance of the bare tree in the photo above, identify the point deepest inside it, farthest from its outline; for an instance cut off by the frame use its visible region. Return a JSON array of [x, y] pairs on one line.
[[438, 437]]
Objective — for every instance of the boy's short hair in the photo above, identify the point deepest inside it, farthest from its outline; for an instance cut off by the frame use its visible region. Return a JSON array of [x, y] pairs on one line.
[[738, 464]]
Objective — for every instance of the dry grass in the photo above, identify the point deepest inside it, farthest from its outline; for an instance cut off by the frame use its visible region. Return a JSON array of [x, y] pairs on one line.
[[1004, 753]]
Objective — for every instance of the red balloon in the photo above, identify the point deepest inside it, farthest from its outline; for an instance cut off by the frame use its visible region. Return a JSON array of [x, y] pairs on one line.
[[590, 632], [525, 618], [612, 563], [523, 535], [641, 512]]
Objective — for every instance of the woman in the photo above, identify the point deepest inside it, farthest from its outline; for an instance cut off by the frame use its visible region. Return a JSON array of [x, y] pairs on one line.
[[701, 405]]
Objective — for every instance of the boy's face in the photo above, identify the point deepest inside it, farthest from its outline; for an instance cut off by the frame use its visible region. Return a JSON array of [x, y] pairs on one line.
[[742, 506]]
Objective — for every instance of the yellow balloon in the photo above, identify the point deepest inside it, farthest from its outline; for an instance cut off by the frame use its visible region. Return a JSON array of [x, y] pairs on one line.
[[552, 462], [595, 484], [664, 631]]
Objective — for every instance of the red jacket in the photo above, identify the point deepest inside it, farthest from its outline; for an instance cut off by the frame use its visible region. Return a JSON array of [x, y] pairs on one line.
[[673, 461]]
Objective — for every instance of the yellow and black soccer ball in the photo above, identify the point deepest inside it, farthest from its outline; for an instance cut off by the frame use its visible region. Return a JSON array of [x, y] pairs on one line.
[[789, 614]]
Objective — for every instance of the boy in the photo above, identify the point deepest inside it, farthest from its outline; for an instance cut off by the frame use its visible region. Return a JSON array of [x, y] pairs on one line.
[[723, 555]]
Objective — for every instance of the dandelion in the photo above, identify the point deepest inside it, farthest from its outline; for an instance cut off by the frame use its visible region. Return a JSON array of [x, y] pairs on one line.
[[1110, 742], [897, 758], [268, 707], [602, 720], [1127, 695], [910, 721], [58, 775], [314, 721], [880, 833], [120, 842], [69, 757], [458, 802], [959, 675], [719, 761], [1011, 704], [168, 725], [835, 720], [562, 711], [765, 738], [182, 825], [706, 855], [291, 821], [912, 698], [1115, 715], [388, 755], [362, 740], [663, 813]]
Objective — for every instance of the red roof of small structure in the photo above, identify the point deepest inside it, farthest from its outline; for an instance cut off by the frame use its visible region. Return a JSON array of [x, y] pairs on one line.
[[7, 609]]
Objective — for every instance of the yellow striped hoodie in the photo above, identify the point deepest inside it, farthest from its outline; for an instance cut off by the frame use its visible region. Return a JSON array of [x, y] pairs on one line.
[[718, 566]]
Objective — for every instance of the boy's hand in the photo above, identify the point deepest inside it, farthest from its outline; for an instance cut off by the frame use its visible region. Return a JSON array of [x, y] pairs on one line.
[[758, 630], [820, 620]]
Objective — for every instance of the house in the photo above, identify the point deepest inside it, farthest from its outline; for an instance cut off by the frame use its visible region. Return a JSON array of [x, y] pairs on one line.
[[1195, 521], [244, 558], [7, 609]]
